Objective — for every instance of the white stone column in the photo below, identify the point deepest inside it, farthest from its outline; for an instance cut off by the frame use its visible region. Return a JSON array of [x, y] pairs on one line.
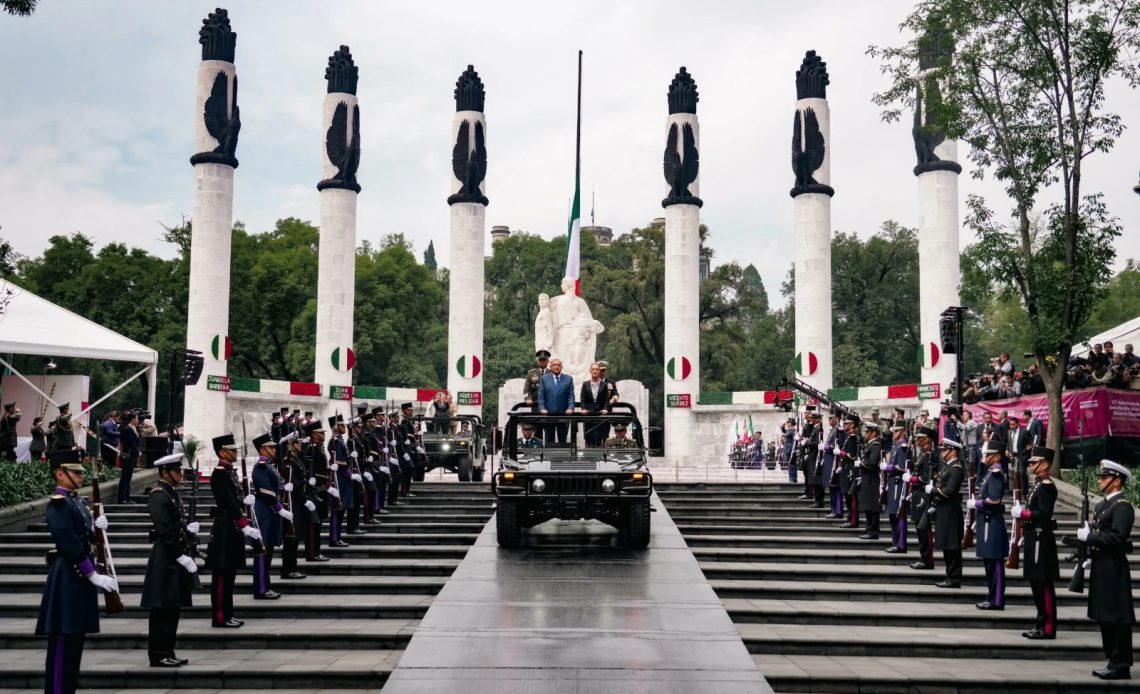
[[208, 307], [468, 203], [812, 226], [938, 270], [682, 382], [336, 261]]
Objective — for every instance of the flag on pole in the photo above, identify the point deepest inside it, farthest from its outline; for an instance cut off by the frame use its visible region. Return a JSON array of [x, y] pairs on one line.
[[574, 241], [751, 431], [738, 431]]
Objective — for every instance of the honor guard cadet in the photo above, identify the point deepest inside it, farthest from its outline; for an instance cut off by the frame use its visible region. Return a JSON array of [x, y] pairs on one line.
[[292, 470], [921, 509], [849, 455], [355, 488], [869, 485], [1110, 581], [534, 377], [317, 469], [8, 431], [340, 486], [370, 469], [830, 477], [69, 609], [619, 439], [382, 468], [946, 495], [412, 449], [271, 514], [1040, 566], [225, 553], [990, 531], [809, 455], [64, 434], [395, 458], [170, 569], [894, 468]]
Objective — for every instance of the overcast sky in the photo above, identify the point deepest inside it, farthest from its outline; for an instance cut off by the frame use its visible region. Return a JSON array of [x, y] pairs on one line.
[[98, 116]]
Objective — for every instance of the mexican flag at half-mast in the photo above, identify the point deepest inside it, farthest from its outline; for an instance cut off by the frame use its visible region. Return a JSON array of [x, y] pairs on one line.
[[574, 227]]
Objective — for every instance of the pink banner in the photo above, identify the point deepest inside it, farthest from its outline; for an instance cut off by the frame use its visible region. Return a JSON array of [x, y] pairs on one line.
[[1105, 411]]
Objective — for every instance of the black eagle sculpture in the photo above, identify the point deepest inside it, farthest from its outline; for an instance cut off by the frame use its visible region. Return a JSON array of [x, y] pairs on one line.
[[344, 153], [469, 164], [223, 123], [935, 50], [808, 151], [682, 164]]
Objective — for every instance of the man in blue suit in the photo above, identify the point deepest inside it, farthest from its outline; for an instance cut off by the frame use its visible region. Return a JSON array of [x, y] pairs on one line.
[[556, 396]]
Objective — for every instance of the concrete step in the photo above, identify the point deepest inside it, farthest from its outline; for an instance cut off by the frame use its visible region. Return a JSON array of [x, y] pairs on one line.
[[855, 591], [319, 581], [349, 560], [858, 675], [870, 552], [310, 669]]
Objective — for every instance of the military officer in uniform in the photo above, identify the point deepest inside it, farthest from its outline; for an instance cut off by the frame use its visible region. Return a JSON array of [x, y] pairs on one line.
[[809, 450], [869, 481], [990, 529], [1109, 540], [225, 553], [921, 511], [894, 468], [340, 486], [830, 470], [848, 453], [534, 378], [317, 478], [64, 434], [620, 438], [357, 458], [411, 448], [1040, 566], [292, 471], [170, 569], [8, 431], [946, 496], [69, 609], [271, 513], [529, 440], [39, 440]]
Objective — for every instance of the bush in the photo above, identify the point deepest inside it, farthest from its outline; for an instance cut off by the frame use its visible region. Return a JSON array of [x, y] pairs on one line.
[[20, 482], [1131, 487]]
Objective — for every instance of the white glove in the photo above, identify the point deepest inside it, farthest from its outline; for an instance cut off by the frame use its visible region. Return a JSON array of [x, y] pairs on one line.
[[420, 450], [407, 457], [104, 583], [353, 455], [356, 477], [334, 492], [310, 505], [906, 478], [248, 500], [288, 487], [251, 532], [312, 481], [393, 461], [836, 450], [193, 528], [971, 503], [883, 466], [333, 467], [187, 563], [930, 487], [1083, 532], [372, 459], [1017, 509], [1087, 564], [286, 514], [368, 476], [101, 522]]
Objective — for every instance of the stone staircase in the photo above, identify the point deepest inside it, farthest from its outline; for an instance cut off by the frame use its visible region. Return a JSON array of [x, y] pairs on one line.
[[822, 611], [344, 627]]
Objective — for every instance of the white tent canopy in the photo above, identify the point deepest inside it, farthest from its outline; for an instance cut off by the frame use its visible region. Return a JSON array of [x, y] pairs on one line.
[[30, 324], [1125, 333]]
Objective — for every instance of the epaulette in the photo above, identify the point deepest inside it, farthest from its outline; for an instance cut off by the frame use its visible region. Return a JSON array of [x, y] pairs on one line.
[[1046, 481], [58, 497]]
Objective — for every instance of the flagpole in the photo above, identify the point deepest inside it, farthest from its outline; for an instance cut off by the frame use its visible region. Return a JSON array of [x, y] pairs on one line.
[[578, 137]]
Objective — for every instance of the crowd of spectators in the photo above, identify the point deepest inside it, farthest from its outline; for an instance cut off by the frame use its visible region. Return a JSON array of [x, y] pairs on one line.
[[1102, 366]]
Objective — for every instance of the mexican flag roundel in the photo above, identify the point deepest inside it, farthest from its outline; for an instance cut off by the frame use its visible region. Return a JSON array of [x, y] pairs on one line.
[[343, 359], [221, 347], [806, 363], [469, 366], [928, 355], [679, 368]]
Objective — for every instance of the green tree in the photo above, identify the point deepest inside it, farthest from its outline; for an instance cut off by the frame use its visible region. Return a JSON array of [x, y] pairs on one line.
[[1119, 302], [1026, 91], [429, 257], [753, 285], [19, 8]]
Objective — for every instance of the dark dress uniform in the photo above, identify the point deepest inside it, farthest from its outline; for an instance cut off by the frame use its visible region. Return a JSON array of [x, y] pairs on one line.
[[828, 478], [167, 586], [8, 432], [69, 609], [225, 553], [64, 438], [896, 492], [812, 467], [354, 488], [407, 433], [267, 490], [317, 470], [869, 482], [991, 534], [338, 454], [849, 454], [1110, 581], [39, 443], [948, 519], [1040, 566], [921, 510], [293, 472]]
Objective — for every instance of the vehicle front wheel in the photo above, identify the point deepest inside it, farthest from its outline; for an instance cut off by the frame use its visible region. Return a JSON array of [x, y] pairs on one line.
[[637, 524], [507, 525], [477, 474], [464, 470], [418, 473]]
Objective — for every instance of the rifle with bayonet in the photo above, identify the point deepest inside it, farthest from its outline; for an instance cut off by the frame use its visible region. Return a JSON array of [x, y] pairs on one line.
[[104, 563], [1077, 582], [257, 545]]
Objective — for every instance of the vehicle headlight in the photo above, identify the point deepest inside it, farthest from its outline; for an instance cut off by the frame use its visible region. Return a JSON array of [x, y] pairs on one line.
[[608, 486], [538, 486], [445, 447]]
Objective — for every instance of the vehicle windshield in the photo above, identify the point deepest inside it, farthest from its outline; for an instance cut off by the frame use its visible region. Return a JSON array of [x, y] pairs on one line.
[[533, 437], [463, 426]]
